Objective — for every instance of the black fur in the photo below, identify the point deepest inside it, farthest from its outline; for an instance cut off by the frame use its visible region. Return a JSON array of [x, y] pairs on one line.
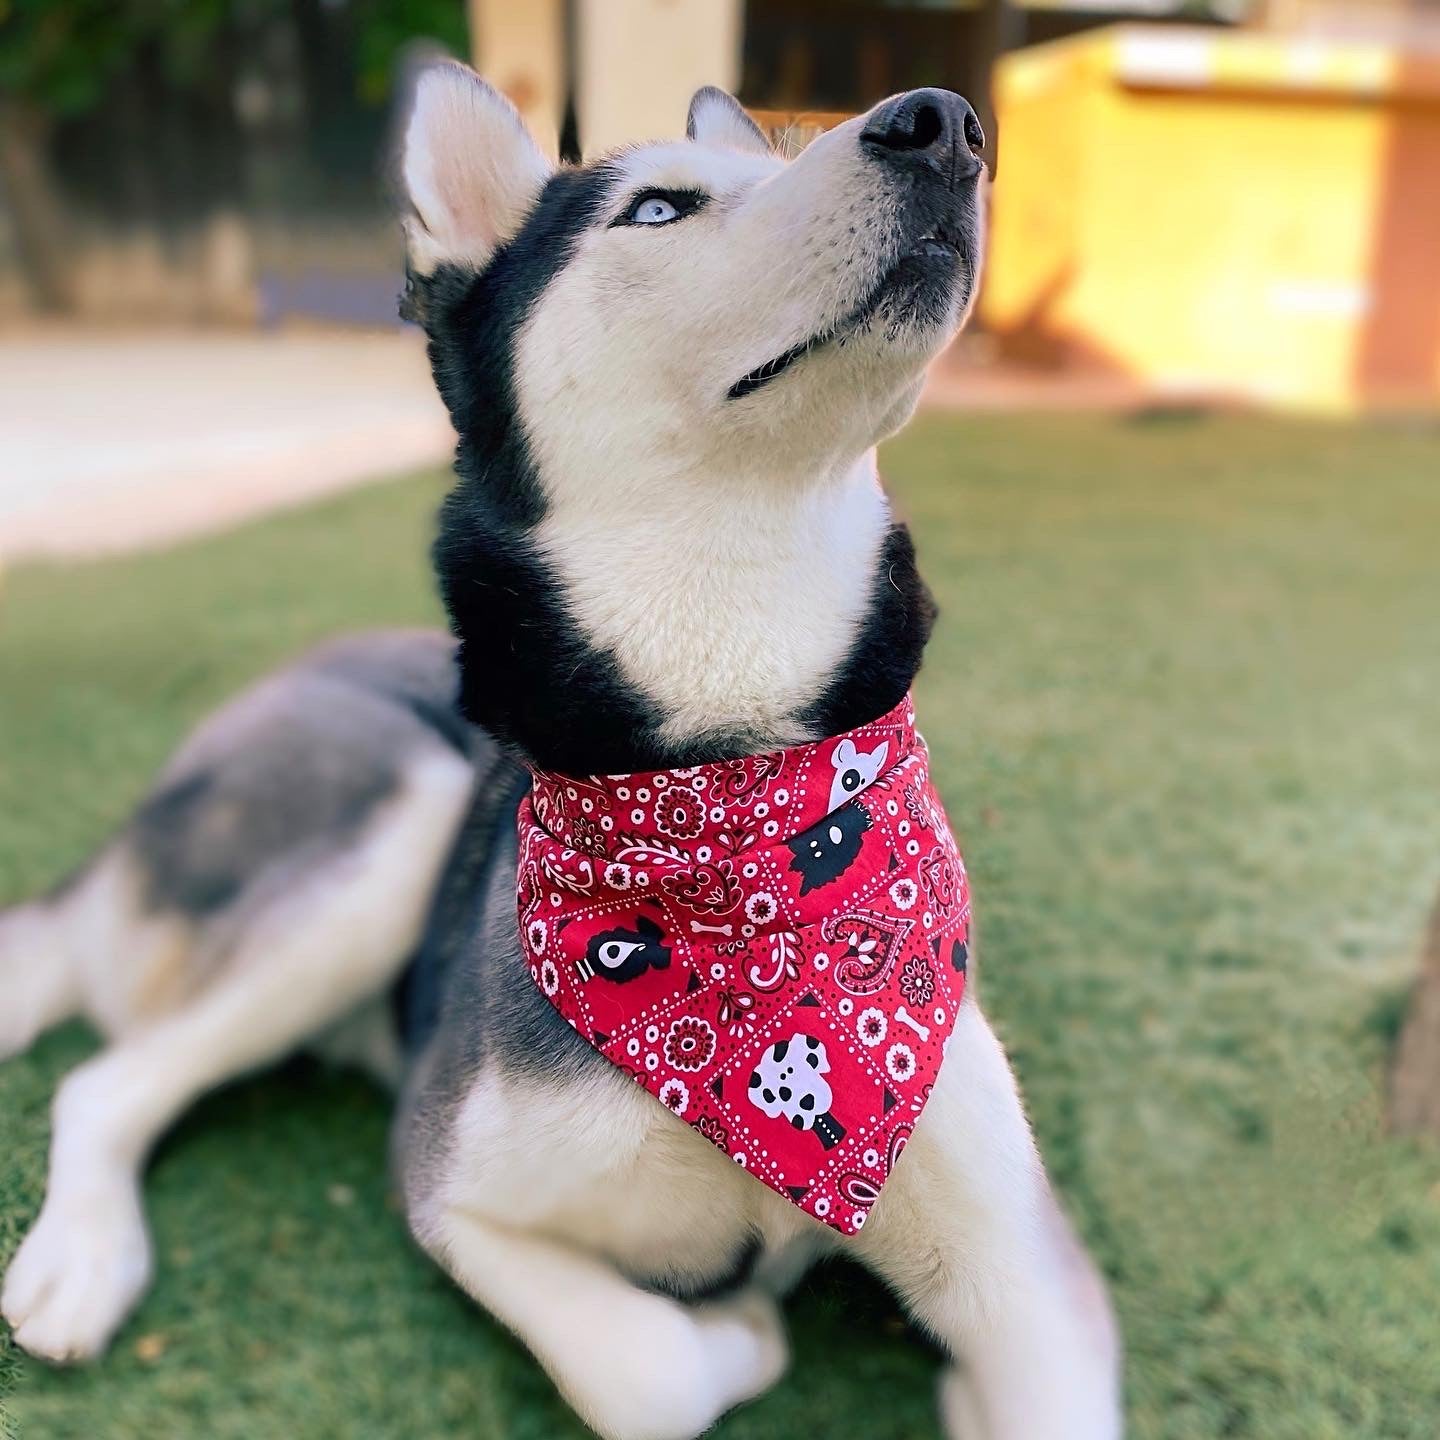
[[828, 848], [885, 658], [528, 674]]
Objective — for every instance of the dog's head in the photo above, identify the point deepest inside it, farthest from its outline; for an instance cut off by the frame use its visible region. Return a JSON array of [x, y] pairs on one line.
[[667, 368], [692, 303]]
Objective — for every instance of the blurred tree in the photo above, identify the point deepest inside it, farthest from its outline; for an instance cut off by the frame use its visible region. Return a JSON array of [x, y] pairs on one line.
[[164, 77], [384, 28], [34, 206], [54, 60]]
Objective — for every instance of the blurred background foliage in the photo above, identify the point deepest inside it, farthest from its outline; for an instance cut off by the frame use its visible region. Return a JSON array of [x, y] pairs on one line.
[[162, 117]]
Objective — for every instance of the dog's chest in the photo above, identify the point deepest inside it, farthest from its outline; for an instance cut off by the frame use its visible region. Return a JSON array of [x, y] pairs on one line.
[[598, 1163], [725, 616]]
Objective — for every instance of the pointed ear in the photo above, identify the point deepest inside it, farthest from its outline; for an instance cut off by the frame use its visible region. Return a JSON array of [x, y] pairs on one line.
[[844, 755], [717, 119], [469, 169], [877, 756]]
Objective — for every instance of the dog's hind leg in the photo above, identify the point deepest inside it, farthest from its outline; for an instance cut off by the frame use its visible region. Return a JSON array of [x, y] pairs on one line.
[[92, 948], [970, 1236], [316, 949], [40, 980]]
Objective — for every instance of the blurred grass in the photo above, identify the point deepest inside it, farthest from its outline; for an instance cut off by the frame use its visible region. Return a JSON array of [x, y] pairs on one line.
[[1184, 701]]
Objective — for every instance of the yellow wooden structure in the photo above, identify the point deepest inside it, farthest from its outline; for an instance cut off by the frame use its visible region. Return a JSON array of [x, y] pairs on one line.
[[1222, 212]]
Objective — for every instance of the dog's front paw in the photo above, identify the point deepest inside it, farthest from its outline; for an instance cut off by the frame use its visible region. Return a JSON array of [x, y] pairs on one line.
[[77, 1275], [745, 1337], [682, 1368]]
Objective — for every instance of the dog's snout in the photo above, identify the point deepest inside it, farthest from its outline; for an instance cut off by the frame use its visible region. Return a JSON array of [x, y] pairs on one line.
[[908, 122], [936, 125]]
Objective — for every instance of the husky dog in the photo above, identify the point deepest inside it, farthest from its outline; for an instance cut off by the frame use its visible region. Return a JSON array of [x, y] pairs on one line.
[[669, 369]]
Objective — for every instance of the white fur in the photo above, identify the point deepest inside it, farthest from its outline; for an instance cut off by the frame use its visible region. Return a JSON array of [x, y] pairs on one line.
[[526, 1157], [716, 119], [629, 355], [553, 1200], [759, 524], [544, 1202], [635, 1365], [470, 169], [967, 1231], [39, 985], [752, 595], [310, 958]]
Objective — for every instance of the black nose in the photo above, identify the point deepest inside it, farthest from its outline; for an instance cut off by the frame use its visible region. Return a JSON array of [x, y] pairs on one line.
[[936, 125]]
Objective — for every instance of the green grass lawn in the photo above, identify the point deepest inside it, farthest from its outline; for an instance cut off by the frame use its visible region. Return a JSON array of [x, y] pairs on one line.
[[1184, 701]]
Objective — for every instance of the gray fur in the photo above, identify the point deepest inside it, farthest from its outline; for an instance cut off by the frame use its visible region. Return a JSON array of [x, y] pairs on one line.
[[488, 1011], [292, 769]]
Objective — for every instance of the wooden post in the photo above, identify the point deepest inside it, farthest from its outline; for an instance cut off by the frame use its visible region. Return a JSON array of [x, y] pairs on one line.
[[520, 49], [638, 62], [1415, 1081], [36, 209], [1001, 27]]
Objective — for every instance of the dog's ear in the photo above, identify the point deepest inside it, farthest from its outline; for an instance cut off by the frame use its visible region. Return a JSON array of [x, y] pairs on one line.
[[468, 167], [717, 119]]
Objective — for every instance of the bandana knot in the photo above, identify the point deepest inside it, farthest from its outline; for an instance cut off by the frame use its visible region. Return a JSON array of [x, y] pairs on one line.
[[774, 947]]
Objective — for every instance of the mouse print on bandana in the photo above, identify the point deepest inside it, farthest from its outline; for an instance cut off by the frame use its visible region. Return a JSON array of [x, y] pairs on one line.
[[774, 947]]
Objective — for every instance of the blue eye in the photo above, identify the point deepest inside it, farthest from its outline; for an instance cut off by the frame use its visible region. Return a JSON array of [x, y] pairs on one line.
[[661, 207], [654, 210]]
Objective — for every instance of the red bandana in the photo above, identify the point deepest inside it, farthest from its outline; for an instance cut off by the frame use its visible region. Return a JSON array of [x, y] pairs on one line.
[[774, 947]]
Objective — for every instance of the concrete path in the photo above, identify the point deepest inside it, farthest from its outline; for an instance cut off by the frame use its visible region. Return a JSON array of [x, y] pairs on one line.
[[116, 440], [113, 441]]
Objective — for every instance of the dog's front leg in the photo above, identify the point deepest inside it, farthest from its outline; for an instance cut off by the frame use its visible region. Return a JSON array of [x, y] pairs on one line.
[[969, 1234], [633, 1364]]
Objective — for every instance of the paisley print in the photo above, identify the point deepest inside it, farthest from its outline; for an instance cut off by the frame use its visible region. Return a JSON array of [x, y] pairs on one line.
[[780, 987]]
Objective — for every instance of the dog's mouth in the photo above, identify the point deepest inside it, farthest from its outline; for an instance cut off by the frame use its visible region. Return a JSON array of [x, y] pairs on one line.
[[931, 262]]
